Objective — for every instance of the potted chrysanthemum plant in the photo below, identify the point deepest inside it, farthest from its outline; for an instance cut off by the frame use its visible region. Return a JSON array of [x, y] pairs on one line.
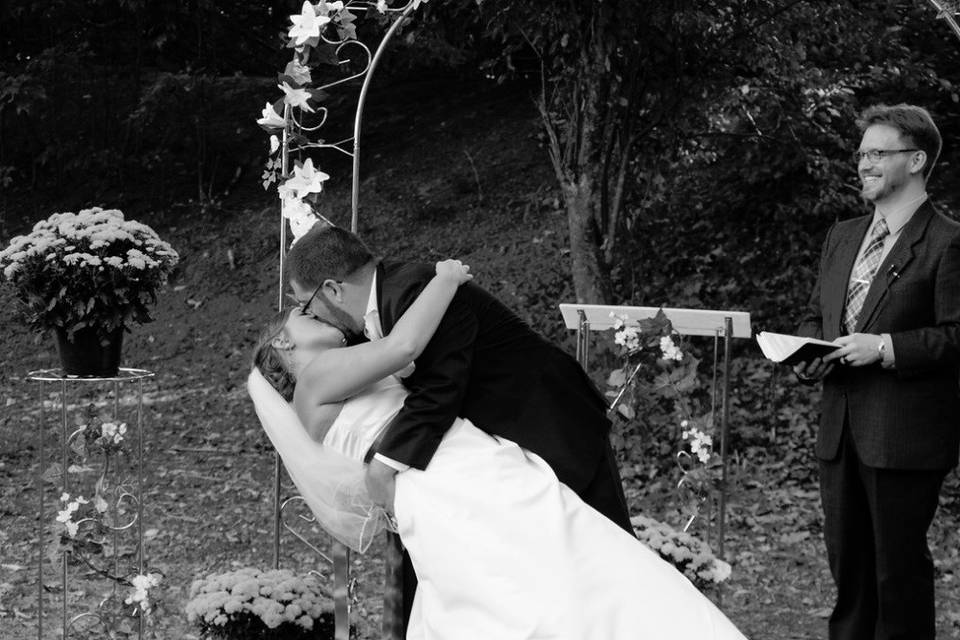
[[250, 604], [87, 276]]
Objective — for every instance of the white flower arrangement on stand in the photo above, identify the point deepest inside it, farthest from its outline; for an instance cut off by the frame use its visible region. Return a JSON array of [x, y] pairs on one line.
[[88, 269], [690, 556], [250, 604], [87, 276]]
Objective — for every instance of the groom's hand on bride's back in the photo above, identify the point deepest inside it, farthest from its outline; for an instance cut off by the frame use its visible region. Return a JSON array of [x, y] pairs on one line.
[[380, 480]]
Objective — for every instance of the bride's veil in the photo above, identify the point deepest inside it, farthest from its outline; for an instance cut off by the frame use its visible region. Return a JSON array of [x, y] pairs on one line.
[[330, 483]]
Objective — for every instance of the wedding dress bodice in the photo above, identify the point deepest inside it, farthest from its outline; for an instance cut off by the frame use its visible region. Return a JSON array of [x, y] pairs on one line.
[[364, 416]]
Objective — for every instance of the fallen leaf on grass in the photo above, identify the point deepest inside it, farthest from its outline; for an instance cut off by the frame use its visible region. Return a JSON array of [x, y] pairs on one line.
[[795, 537]]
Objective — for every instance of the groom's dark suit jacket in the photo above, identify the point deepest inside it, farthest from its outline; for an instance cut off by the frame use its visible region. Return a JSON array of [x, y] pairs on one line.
[[907, 417], [485, 364]]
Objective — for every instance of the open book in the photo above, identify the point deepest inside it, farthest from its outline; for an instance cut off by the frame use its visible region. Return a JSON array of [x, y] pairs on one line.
[[787, 349]]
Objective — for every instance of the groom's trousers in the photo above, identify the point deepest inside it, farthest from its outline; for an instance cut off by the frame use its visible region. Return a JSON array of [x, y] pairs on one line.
[[875, 529], [604, 493]]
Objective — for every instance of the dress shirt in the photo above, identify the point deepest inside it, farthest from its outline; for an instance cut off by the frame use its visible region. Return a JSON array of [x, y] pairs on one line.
[[374, 331], [896, 220]]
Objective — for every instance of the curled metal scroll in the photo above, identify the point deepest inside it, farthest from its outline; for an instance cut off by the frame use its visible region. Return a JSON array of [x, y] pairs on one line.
[[946, 12], [296, 534]]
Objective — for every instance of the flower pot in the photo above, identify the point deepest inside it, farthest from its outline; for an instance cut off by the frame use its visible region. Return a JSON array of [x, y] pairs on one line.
[[85, 354]]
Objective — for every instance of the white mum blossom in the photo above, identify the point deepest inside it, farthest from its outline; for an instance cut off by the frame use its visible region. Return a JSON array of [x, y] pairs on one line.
[[688, 554], [701, 444], [722, 570], [669, 350], [619, 320], [86, 237], [305, 621], [628, 337], [142, 584], [136, 259]]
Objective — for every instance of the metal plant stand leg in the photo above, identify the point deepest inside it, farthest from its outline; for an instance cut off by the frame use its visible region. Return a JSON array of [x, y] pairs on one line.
[[54, 378], [724, 435]]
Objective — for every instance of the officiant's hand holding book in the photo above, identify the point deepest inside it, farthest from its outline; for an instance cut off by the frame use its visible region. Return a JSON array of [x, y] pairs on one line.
[[792, 350]]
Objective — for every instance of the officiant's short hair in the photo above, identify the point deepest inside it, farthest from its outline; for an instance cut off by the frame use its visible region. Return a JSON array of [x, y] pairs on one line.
[[325, 252]]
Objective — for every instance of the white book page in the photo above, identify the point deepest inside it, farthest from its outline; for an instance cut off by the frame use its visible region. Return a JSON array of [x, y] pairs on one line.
[[778, 346]]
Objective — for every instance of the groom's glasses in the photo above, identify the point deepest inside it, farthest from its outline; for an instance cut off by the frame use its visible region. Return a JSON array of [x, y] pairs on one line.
[[304, 307]]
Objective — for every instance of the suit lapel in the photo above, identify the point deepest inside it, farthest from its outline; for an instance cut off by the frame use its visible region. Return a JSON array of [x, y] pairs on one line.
[[895, 263], [835, 287], [381, 276]]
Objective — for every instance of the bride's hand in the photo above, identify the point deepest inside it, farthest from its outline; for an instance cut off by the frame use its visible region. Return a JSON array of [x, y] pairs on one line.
[[454, 270]]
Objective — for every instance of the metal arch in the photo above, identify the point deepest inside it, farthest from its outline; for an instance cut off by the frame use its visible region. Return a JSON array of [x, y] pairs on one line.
[[392, 617], [355, 189], [945, 12]]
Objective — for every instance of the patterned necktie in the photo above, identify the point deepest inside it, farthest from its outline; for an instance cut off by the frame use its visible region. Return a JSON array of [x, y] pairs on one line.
[[863, 273]]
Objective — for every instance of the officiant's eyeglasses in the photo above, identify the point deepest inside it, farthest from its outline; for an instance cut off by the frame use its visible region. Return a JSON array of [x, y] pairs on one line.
[[876, 155]]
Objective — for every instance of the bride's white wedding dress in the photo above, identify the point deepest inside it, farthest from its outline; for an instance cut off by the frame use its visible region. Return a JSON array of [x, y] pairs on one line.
[[501, 548]]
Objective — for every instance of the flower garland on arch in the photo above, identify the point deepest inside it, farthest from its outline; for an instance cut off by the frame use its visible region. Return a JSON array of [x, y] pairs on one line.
[[317, 35]]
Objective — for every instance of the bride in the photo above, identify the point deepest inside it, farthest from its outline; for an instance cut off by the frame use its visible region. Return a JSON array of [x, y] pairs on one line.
[[501, 548]]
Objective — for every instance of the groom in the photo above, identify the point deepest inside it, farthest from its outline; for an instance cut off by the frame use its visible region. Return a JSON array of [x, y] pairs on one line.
[[483, 363]]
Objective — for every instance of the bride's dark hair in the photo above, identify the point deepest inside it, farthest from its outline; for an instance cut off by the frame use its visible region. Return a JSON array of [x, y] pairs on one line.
[[267, 358]]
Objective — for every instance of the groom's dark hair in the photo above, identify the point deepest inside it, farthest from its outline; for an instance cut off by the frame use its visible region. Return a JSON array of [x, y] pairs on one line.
[[325, 252]]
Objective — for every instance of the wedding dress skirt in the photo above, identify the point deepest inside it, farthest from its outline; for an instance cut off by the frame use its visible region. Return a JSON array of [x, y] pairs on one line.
[[502, 549]]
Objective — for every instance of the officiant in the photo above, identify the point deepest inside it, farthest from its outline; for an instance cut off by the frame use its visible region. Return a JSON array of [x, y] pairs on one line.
[[888, 292]]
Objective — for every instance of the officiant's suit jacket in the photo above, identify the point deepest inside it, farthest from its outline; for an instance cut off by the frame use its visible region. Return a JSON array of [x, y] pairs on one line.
[[907, 417], [485, 364]]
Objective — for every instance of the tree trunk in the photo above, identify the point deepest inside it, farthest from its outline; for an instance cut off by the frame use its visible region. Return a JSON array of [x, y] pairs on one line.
[[590, 283]]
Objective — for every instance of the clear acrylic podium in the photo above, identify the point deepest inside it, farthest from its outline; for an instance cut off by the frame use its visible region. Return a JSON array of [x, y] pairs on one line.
[[723, 326]]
